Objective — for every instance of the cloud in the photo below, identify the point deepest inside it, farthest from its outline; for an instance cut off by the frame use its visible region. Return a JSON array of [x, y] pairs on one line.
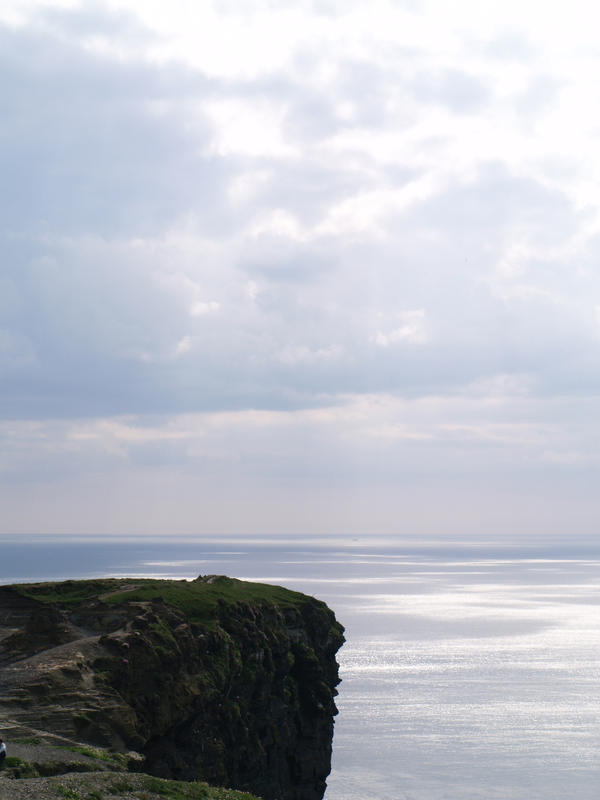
[[510, 47], [94, 144], [376, 458], [200, 307], [458, 91], [184, 345], [540, 95], [412, 330], [110, 316], [302, 247], [300, 354]]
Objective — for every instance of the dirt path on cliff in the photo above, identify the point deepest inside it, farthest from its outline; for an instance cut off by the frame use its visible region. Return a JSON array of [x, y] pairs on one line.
[[19, 672]]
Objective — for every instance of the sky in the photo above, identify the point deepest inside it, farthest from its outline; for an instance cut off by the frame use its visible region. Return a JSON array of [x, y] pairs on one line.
[[308, 267]]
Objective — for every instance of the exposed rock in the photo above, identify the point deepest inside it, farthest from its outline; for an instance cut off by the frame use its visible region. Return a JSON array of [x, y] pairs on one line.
[[215, 679]]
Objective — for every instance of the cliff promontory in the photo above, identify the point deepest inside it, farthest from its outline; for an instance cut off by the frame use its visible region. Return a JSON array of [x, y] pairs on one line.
[[216, 679]]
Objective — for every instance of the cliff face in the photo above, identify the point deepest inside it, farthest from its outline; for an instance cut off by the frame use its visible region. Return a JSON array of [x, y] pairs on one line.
[[217, 679]]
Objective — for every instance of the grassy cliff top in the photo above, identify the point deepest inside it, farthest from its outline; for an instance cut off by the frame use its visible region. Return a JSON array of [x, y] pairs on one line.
[[195, 599]]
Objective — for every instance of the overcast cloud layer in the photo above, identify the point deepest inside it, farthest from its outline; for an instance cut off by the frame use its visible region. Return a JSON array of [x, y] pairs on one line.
[[291, 268]]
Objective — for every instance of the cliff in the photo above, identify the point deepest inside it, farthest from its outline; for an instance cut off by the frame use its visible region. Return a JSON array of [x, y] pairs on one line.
[[215, 679]]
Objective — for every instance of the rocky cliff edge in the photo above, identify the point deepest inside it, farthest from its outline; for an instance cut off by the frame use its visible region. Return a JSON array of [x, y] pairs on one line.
[[216, 679]]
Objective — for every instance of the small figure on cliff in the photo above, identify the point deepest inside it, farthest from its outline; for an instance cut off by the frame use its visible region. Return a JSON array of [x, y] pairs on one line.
[[2, 753]]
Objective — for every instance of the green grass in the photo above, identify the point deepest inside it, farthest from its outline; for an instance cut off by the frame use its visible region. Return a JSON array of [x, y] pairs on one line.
[[182, 790], [197, 600], [68, 594], [120, 786], [27, 740], [68, 794], [16, 767], [93, 752]]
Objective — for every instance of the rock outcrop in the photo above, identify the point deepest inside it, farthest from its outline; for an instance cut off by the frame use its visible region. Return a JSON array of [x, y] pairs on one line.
[[215, 679]]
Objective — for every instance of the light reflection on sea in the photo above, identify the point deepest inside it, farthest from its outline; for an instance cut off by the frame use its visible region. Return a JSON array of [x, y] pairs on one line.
[[475, 683], [468, 673]]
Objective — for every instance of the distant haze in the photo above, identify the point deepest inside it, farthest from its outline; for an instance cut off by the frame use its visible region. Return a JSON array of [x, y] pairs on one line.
[[314, 267]]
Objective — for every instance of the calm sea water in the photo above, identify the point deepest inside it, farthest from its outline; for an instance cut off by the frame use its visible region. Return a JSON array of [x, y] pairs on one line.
[[470, 670]]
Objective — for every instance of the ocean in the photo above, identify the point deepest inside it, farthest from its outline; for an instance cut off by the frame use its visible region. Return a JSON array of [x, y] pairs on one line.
[[471, 670]]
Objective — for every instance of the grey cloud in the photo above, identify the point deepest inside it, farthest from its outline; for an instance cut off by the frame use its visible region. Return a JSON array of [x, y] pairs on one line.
[[368, 87], [278, 260], [308, 190], [93, 19], [87, 323], [464, 452], [160, 454], [458, 91], [495, 201], [97, 153], [310, 116], [143, 274], [361, 87], [91, 313], [310, 187], [120, 148], [510, 46], [90, 144], [539, 96]]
